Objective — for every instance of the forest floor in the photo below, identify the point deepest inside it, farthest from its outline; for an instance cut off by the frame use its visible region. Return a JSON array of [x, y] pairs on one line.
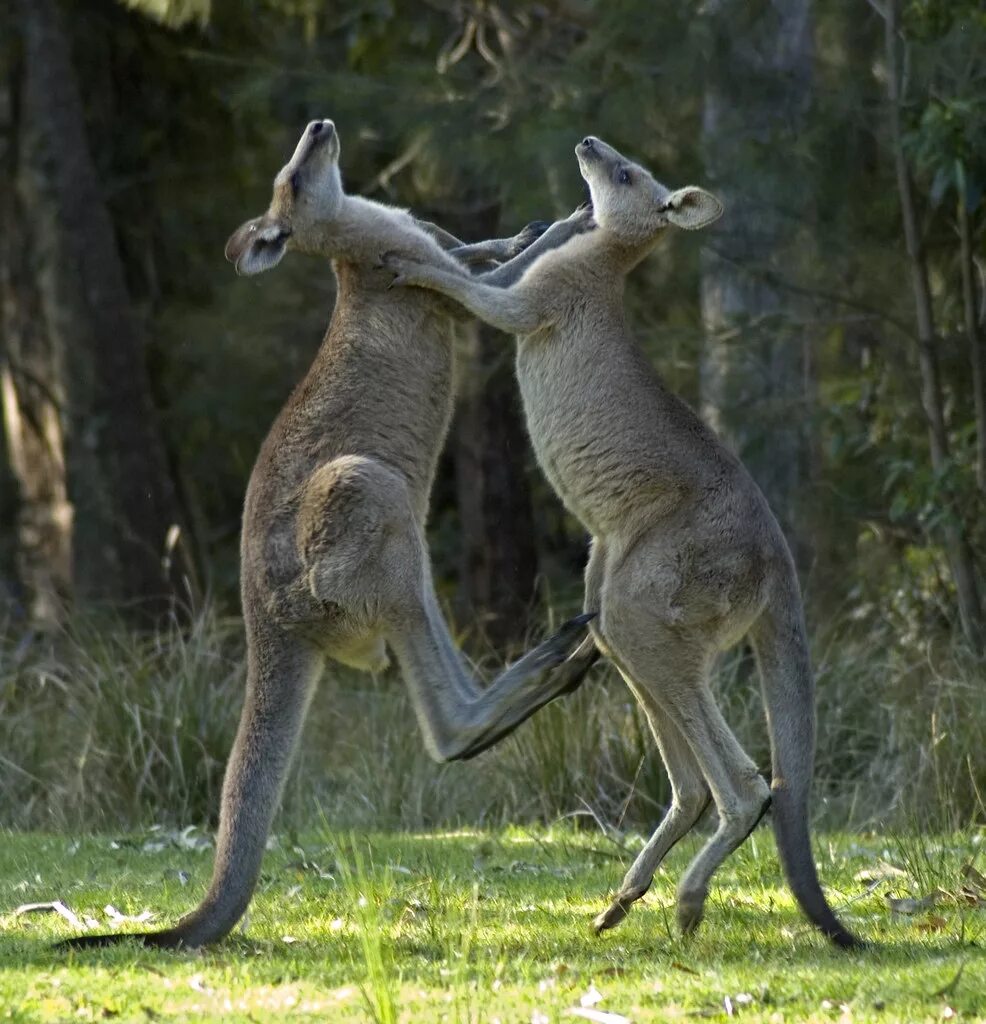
[[479, 927]]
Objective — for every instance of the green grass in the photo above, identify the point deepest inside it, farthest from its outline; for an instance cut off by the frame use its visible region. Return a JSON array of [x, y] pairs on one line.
[[474, 926]]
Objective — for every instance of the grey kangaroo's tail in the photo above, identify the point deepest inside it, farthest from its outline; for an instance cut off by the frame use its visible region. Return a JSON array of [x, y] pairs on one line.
[[281, 677], [789, 695]]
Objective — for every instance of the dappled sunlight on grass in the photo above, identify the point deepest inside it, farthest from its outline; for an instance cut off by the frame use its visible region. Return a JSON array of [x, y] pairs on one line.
[[474, 926]]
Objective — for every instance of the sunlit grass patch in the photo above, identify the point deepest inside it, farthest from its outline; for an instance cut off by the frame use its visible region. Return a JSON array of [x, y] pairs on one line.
[[474, 926]]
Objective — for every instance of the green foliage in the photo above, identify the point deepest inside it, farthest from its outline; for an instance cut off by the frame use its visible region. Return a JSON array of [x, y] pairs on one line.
[[454, 108], [174, 13]]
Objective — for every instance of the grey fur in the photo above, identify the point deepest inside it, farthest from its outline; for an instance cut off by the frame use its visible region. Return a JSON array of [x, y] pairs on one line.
[[686, 556], [334, 564]]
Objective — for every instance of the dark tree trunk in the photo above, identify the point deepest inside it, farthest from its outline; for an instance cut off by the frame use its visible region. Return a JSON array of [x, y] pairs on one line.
[[499, 564], [977, 349], [118, 476], [31, 386], [499, 553], [956, 542], [756, 371]]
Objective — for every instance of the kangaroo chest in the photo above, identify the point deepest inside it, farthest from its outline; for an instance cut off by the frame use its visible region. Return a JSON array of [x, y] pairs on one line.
[[609, 438], [565, 421]]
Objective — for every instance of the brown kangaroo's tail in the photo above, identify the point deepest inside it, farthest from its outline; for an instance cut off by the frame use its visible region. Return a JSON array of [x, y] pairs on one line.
[[789, 695], [281, 676]]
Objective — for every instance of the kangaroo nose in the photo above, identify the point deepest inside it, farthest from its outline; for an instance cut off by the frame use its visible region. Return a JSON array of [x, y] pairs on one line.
[[317, 127], [588, 141]]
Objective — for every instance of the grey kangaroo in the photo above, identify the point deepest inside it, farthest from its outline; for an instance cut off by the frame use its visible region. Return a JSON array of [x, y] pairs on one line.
[[334, 563], [686, 556]]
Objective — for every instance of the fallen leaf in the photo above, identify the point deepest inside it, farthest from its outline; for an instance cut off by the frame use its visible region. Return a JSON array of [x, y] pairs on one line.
[[117, 918], [971, 897], [188, 840], [598, 1016], [973, 877], [591, 997], [879, 872], [54, 907], [913, 906], [933, 923]]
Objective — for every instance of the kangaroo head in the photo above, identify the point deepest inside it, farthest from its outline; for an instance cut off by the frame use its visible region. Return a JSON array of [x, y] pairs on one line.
[[629, 204], [307, 192]]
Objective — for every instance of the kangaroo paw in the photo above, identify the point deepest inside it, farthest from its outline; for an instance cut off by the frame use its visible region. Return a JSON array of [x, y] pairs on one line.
[[691, 908], [572, 673], [616, 911]]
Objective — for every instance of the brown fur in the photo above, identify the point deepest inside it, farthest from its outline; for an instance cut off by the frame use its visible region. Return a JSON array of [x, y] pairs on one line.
[[334, 564]]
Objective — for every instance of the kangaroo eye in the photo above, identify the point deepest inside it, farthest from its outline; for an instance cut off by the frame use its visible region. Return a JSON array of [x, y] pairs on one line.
[[624, 177]]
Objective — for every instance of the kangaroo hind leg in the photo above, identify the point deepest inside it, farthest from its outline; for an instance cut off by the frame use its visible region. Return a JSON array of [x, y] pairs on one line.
[[741, 794], [437, 676], [673, 668], [689, 798]]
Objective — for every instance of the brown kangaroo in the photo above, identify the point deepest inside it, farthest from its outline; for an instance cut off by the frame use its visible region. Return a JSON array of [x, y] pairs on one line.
[[334, 563], [686, 556]]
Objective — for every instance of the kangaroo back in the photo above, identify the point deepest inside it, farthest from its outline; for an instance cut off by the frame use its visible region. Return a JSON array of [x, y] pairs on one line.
[[781, 648]]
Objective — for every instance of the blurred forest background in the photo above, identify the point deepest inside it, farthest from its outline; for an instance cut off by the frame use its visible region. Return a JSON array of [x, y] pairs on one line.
[[832, 326]]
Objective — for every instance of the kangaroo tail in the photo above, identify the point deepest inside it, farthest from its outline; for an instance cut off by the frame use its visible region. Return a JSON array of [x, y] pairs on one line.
[[789, 695], [281, 676]]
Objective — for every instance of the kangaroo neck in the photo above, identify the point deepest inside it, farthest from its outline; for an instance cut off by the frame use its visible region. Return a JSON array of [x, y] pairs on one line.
[[616, 257]]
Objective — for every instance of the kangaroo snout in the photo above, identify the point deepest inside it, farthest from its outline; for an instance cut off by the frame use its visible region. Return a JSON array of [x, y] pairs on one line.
[[324, 127]]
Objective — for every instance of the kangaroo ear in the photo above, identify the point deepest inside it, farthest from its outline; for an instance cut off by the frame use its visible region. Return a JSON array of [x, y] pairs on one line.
[[257, 245], [692, 208]]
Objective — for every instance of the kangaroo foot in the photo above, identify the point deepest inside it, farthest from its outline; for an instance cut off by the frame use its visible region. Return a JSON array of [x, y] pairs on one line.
[[617, 910], [550, 653], [570, 635], [691, 908], [572, 673]]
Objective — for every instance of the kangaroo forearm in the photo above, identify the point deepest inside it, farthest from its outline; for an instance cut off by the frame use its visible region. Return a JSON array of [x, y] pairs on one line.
[[493, 250], [507, 310], [444, 238], [511, 272]]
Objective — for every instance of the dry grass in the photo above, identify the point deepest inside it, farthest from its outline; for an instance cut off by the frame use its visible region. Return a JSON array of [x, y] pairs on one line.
[[102, 728]]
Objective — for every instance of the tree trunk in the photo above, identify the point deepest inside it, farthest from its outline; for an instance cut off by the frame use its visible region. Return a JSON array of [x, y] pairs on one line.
[[756, 368], [499, 555], [499, 560], [956, 542], [977, 355], [125, 504], [31, 388]]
